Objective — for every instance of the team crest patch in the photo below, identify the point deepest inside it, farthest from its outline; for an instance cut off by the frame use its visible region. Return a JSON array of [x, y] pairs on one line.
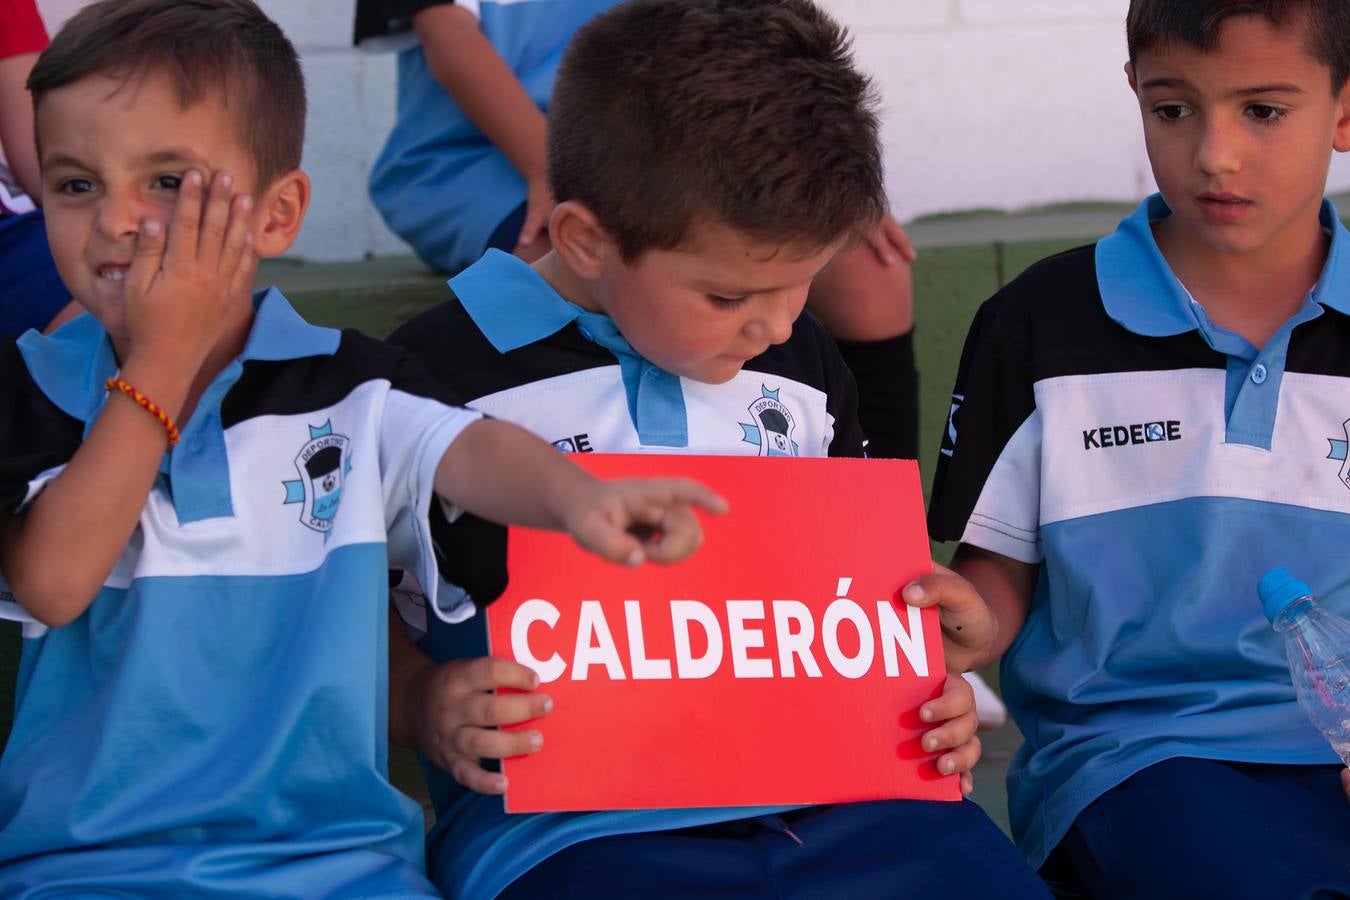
[[1339, 453], [323, 464], [774, 425]]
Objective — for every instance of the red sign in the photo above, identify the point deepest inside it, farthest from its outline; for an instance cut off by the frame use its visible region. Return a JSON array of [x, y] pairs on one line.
[[774, 666]]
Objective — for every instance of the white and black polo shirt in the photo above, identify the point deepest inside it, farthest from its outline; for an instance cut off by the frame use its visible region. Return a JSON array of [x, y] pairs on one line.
[[1155, 465]]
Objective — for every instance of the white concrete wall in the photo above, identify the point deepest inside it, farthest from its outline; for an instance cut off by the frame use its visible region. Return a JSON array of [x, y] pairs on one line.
[[988, 104]]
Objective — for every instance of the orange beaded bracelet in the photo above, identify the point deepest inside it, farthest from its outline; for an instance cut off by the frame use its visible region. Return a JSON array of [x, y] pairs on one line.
[[117, 384]]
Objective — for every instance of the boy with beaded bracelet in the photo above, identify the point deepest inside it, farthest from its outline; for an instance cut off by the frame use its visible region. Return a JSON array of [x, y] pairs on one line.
[[200, 707]]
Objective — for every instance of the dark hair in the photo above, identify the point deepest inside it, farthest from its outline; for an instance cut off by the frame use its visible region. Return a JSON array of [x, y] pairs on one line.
[[229, 46], [1197, 22], [747, 113]]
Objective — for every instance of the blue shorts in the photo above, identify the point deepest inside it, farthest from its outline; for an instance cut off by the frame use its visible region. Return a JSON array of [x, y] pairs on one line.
[[31, 293], [1189, 828], [893, 848], [507, 232]]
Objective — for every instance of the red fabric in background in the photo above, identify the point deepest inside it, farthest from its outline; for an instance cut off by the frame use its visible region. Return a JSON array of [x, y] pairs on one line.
[[21, 28]]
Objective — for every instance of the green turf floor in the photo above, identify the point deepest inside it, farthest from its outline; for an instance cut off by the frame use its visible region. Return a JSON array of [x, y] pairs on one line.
[[949, 284]]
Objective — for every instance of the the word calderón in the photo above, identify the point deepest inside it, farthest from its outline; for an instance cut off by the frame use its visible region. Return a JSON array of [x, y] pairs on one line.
[[794, 633]]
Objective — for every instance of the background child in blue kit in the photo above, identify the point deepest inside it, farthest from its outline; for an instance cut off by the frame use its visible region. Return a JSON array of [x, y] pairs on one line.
[[711, 158], [200, 704], [1140, 432], [463, 171]]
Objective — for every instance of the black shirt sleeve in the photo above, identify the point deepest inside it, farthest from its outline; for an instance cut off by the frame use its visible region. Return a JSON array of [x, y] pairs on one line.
[[388, 18], [840, 387], [843, 406], [470, 551], [992, 401], [35, 435]]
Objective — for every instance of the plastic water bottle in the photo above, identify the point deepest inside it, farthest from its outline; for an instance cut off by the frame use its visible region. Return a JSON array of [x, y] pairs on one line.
[[1317, 643]]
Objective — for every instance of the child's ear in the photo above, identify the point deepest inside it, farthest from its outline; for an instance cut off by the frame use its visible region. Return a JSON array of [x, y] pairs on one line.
[[1342, 141], [281, 211], [579, 238], [1131, 78]]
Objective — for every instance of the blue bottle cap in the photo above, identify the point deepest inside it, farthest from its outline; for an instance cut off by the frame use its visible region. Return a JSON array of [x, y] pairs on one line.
[[1278, 589]]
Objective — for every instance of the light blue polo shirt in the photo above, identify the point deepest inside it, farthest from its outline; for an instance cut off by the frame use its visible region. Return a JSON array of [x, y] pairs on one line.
[[214, 724], [1155, 465]]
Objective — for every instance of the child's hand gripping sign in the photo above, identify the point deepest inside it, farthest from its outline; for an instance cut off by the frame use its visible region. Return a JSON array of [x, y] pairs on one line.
[[775, 666]]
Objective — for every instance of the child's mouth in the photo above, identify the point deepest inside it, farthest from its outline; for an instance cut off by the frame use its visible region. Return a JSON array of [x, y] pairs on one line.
[[1223, 207], [113, 273]]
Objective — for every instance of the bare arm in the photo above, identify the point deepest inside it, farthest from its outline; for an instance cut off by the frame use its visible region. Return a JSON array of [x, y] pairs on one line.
[[982, 601], [483, 85], [474, 73], [16, 123], [95, 503], [408, 671], [505, 474], [1006, 586]]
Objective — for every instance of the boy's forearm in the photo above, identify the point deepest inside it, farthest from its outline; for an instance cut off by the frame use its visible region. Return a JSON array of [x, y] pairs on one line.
[[16, 123], [462, 60], [58, 554], [505, 474], [1005, 585], [407, 667]]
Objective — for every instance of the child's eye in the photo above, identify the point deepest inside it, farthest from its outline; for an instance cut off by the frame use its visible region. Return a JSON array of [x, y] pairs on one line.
[[1266, 114], [1172, 112], [168, 182], [726, 302], [75, 186]]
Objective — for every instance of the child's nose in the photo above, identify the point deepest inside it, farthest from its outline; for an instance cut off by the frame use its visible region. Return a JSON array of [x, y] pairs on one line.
[[119, 215], [1220, 149], [773, 322]]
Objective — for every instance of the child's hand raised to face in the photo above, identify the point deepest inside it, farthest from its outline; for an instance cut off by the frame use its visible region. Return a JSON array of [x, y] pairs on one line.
[[183, 284]]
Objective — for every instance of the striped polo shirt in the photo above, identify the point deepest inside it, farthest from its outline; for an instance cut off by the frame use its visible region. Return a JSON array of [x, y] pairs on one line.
[[516, 350], [1155, 465], [214, 724]]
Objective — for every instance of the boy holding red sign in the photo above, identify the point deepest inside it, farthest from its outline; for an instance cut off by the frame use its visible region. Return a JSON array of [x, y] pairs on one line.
[[709, 159]]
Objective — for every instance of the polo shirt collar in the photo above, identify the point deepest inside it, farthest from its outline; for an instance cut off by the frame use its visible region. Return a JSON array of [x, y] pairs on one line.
[[1140, 291], [514, 306], [511, 303], [279, 333], [72, 365]]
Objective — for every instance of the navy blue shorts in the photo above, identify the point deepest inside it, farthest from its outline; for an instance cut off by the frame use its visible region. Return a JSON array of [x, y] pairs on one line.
[[31, 293], [1189, 828], [507, 232], [895, 848]]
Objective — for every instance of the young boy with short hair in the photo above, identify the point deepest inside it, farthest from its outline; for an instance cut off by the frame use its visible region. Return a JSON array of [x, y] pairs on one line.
[[709, 159], [463, 171], [201, 701], [1139, 431]]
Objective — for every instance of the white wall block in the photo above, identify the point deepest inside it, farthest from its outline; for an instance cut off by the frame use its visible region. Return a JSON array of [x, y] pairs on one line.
[[314, 24], [1004, 117], [55, 12], [350, 112], [1049, 12], [893, 15]]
